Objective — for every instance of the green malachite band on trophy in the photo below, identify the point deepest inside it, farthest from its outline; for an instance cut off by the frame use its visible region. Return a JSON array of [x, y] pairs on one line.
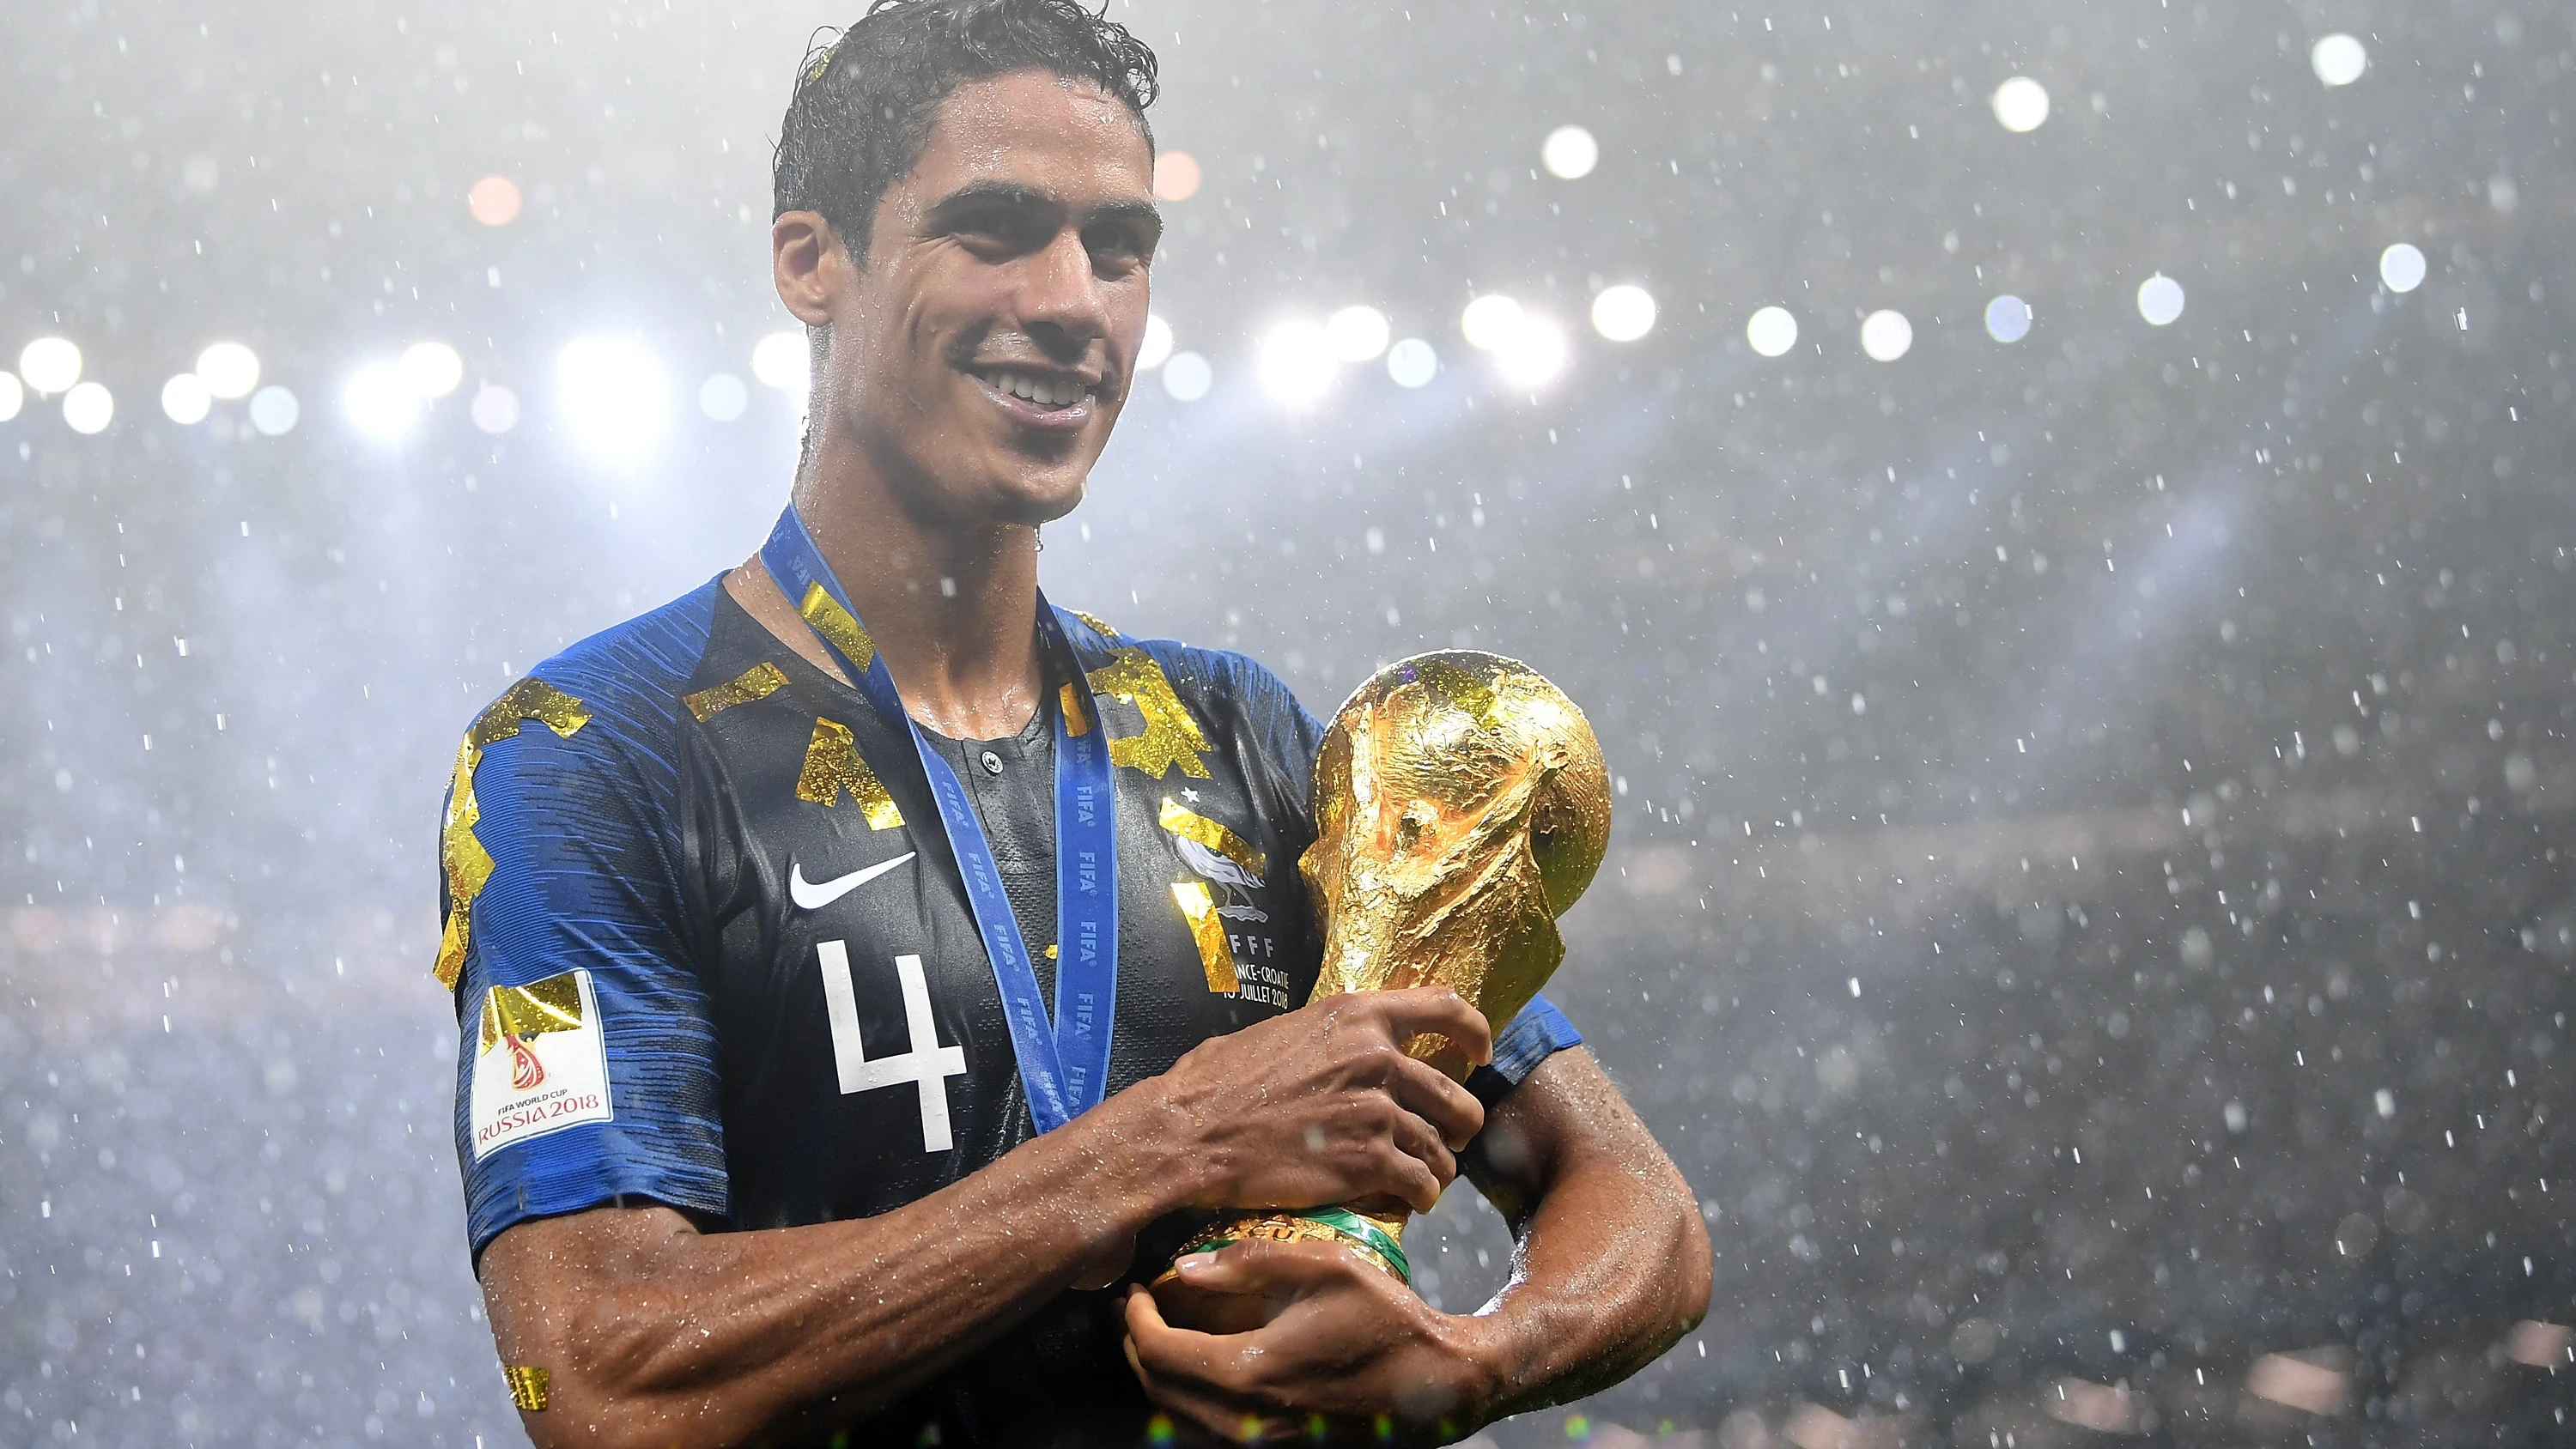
[[1353, 1229]]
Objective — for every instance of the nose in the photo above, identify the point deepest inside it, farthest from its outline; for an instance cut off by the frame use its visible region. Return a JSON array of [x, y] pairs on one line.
[[1060, 300]]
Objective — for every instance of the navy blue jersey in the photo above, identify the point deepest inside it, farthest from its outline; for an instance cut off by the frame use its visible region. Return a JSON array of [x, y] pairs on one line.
[[710, 948]]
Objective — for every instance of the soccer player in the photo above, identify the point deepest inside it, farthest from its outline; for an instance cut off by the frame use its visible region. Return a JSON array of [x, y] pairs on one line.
[[870, 973]]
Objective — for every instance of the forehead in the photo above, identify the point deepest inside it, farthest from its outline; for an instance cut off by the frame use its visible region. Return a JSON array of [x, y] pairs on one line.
[[1057, 133]]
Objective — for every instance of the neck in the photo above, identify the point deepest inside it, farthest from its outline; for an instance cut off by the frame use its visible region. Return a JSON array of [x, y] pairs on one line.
[[950, 604]]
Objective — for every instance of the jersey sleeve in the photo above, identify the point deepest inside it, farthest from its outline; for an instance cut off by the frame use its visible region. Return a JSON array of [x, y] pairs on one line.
[[1292, 736], [587, 1050]]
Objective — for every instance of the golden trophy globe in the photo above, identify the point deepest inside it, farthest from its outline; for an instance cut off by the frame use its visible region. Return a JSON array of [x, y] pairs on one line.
[[1461, 805]]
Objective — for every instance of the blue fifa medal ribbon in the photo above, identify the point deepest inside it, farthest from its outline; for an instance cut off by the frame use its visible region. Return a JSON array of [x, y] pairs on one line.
[[1065, 1071]]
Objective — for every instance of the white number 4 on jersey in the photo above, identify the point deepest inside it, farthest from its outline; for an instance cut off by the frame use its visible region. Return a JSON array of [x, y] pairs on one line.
[[928, 1065]]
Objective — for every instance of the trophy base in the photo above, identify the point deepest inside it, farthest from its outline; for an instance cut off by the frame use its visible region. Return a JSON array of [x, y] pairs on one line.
[[1373, 1238]]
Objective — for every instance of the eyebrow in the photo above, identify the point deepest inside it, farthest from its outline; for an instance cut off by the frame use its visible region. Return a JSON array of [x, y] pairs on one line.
[[1013, 194]]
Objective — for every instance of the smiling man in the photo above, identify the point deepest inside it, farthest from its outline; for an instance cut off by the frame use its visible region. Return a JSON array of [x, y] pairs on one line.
[[868, 972]]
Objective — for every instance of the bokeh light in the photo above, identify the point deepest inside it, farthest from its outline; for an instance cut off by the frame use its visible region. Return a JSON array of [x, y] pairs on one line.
[[2021, 104], [612, 395], [229, 369], [13, 396], [1885, 335], [1187, 377], [2008, 318], [494, 408], [1358, 334], [380, 401], [1157, 346], [784, 360], [88, 407], [274, 411], [2338, 59], [1490, 321], [2159, 300], [1771, 331], [1176, 176], [185, 399], [50, 364], [1623, 313], [494, 201], [1569, 153], [432, 369], [723, 397], [1412, 362], [2402, 267], [1534, 353], [1297, 362]]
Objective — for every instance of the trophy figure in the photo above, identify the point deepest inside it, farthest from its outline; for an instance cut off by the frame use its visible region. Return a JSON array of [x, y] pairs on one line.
[[1461, 805]]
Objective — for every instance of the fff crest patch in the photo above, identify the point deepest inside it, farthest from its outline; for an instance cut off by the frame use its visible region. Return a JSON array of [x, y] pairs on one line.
[[542, 1062]]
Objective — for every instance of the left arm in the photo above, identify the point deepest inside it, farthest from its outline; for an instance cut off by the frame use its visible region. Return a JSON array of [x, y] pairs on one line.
[[1613, 1268]]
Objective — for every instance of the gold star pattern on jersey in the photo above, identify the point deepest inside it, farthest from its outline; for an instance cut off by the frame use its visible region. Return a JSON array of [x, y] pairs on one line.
[[760, 681], [467, 863], [1171, 737], [833, 764]]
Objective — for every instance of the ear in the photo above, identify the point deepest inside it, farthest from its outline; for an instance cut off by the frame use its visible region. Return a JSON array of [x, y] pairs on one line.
[[808, 264]]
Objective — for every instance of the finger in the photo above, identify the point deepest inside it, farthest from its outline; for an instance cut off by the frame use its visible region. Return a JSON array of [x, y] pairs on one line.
[[1421, 1009], [1420, 1141], [1258, 1265], [1160, 1349], [1425, 1091]]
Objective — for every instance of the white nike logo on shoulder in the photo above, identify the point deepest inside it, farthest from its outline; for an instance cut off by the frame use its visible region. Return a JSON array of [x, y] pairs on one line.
[[815, 895]]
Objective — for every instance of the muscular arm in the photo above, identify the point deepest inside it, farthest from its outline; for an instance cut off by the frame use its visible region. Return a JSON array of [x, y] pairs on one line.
[[1613, 1267], [654, 1333]]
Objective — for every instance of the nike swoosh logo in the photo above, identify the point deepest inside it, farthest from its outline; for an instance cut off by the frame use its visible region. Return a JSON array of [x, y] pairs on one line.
[[815, 895]]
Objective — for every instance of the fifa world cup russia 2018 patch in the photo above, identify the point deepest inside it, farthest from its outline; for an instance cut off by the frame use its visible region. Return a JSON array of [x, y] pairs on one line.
[[542, 1064]]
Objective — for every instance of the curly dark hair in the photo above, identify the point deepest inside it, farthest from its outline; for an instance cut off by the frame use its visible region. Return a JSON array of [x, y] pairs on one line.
[[865, 98]]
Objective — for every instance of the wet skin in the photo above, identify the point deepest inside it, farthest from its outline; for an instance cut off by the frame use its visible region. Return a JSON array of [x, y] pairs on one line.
[[1015, 258]]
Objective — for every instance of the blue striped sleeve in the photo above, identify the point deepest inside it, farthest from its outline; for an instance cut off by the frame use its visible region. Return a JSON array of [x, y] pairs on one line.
[[1540, 1031]]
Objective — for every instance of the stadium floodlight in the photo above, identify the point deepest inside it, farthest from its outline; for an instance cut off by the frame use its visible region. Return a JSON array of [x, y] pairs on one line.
[[2338, 59], [2159, 300], [1569, 153], [784, 360], [185, 399], [494, 408], [1297, 362], [88, 407], [230, 370], [50, 365], [612, 395], [1886, 335], [2402, 267], [1771, 331], [723, 398], [1357, 334], [380, 401], [1623, 313], [13, 396], [1534, 354], [1187, 377], [1412, 363], [1490, 321], [2021, 104], [431, 369], [274, 410], [1157, 347]]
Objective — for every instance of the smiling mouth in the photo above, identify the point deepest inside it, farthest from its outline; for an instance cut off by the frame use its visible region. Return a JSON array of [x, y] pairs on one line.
[[1050, 394]]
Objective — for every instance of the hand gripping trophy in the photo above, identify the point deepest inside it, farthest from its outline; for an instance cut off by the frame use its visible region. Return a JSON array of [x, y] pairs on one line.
[[1461, 805]]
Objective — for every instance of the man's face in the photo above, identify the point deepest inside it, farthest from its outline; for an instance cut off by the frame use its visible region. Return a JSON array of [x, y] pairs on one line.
[[982, 351]]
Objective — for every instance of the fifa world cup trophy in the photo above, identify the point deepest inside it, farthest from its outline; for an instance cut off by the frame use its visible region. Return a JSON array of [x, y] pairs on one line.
[[1461, 805]]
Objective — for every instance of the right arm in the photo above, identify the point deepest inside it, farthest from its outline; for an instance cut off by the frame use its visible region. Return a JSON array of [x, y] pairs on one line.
[[653, 1332]]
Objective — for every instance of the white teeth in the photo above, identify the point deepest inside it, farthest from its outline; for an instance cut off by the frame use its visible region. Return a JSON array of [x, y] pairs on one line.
[[1037, 389]]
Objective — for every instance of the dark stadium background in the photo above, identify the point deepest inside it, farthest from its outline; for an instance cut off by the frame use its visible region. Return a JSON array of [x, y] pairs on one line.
[[2089, 908]]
